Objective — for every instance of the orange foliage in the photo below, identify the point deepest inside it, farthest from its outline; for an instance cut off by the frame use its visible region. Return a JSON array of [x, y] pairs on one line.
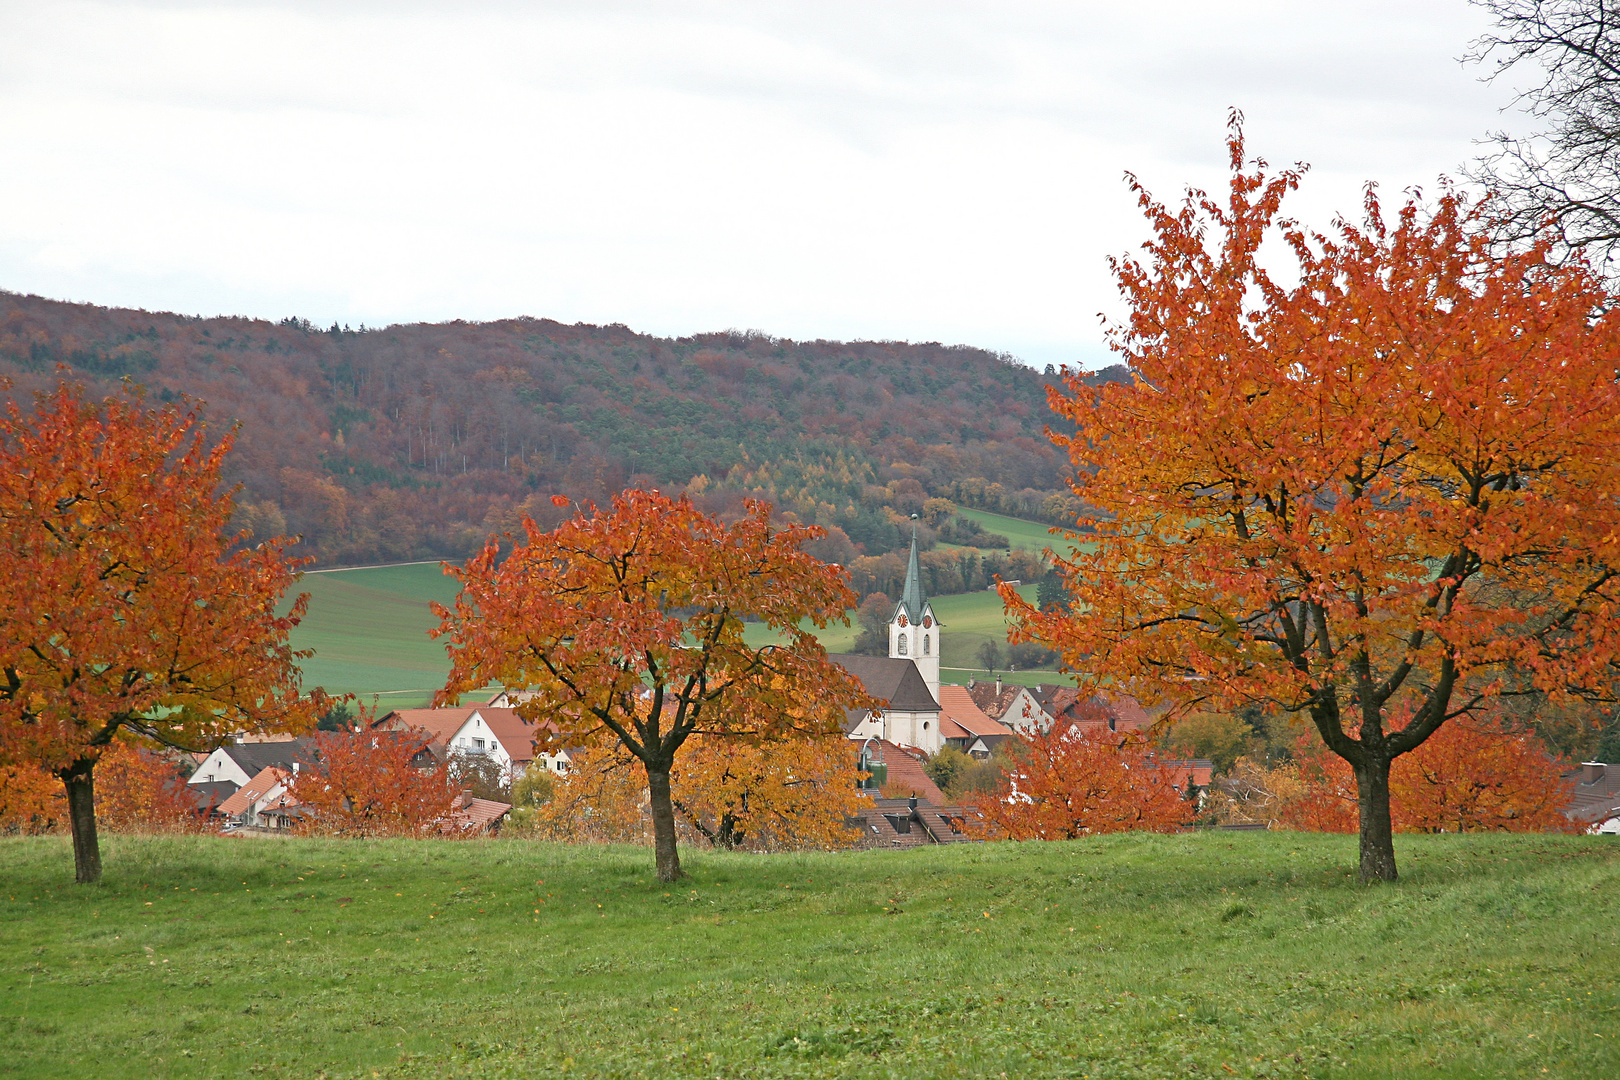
[[30, 800], [139, 791], [1377, 492], [1468, 777], [363, 783], [628, 625], [125, 611], [789, 794], [1067, 782]]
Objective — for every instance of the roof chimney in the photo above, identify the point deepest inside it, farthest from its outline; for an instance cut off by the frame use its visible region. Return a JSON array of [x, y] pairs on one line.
[[911, 804], [1591, 771], [998, 684]]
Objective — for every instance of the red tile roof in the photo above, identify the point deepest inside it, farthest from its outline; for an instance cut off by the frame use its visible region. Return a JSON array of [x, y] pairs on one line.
[[1198, 770], [515, 734], [905, 773], [254, 790], [474, 815], [957, 704]]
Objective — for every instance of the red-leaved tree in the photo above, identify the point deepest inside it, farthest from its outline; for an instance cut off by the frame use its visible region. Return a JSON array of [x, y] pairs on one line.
[[1369, 478], [127, 614], [1469, 777], [628, 625], [367, 782], [1065, 782]]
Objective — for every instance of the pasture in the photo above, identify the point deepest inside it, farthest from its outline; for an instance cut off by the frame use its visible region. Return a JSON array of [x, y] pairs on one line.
[[1127, 956], [369, 628]]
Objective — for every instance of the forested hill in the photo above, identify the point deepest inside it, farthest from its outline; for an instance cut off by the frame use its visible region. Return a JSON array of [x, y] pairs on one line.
[[416, 441]]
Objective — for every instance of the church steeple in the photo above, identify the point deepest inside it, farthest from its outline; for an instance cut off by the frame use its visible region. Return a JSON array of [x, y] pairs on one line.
[[911, 597], [913, 630]]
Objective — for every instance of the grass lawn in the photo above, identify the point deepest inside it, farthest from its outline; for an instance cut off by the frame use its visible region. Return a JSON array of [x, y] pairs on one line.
[[1197, 955]]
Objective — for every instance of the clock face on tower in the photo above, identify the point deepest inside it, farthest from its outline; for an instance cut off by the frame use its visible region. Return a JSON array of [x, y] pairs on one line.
[[928, 620], [902, 619]]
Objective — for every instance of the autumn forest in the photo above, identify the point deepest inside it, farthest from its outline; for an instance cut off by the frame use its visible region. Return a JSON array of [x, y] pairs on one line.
[[417, 441]]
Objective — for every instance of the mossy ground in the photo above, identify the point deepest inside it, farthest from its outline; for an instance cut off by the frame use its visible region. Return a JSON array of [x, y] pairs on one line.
[[1209, 954]]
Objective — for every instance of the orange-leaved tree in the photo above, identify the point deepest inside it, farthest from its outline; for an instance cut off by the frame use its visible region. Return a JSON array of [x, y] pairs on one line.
[[126, 611], [1379, 489], [628, 625], [790, 793], [787, 794], [1470, 776], [141, 790], [30, 800], [1066, 781], [368, 782]]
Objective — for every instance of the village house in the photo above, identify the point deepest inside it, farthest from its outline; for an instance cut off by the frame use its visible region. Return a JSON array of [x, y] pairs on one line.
[[240, 762], [496, 732], [1015, 707], [1595, 802], [966, 726], [261, 791]]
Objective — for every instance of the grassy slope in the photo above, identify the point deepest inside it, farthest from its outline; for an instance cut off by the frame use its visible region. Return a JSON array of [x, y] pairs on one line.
[[1251, 955], [369, 627], [1029, 535], [369, 631]]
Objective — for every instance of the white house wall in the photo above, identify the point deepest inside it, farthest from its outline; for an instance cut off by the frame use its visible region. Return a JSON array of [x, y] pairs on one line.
[[219, 766]]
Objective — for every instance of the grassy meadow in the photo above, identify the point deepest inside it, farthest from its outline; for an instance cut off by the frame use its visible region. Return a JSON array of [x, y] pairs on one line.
[[1130, 956], [369, 627], [1029, 535]]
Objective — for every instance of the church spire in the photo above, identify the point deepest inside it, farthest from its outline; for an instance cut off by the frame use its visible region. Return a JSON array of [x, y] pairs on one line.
[[912, 598]]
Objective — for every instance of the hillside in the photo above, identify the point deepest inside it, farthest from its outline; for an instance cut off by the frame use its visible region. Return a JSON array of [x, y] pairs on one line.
[[417, 441], [1129, 956], [369, 627]]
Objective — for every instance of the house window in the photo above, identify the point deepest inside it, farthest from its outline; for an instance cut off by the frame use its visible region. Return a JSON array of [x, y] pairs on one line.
[[927, 646], [478, 745], [902, 644]]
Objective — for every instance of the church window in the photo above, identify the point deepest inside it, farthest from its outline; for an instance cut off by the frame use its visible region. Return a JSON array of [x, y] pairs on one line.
[[926, 645], [902, 644]]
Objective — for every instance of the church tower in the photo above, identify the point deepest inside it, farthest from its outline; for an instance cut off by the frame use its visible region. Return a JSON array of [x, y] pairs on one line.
[[913, 629]]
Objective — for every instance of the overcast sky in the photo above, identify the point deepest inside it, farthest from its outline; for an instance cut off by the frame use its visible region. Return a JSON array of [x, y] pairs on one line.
[[929, 171]]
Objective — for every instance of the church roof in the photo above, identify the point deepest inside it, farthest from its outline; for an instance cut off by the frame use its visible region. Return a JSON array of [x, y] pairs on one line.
[[912, 600], [895, 679]]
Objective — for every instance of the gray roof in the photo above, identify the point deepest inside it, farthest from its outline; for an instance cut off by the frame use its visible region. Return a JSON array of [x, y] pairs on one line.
[[254, 757], [895, 679]]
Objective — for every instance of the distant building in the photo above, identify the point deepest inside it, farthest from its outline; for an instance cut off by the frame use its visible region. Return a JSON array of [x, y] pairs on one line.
[[908, 678], [241, 762], [499, 733], [1595, 801]]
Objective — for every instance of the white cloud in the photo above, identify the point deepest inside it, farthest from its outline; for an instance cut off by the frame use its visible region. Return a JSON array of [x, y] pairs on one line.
[[938, 171]]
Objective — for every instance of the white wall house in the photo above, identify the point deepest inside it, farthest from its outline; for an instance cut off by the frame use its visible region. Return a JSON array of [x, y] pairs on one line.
[[501, 734]]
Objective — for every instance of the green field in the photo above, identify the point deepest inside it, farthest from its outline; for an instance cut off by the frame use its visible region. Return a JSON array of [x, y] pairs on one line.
[[1029, 535], [1131, 956], [369, 628]]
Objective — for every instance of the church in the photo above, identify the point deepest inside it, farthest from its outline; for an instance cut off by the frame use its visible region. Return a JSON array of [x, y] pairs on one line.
[[908, 678]]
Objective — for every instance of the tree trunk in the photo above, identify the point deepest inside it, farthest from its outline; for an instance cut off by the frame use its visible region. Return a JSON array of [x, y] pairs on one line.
[[663, 815], [1377, 832], [81, 799]]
